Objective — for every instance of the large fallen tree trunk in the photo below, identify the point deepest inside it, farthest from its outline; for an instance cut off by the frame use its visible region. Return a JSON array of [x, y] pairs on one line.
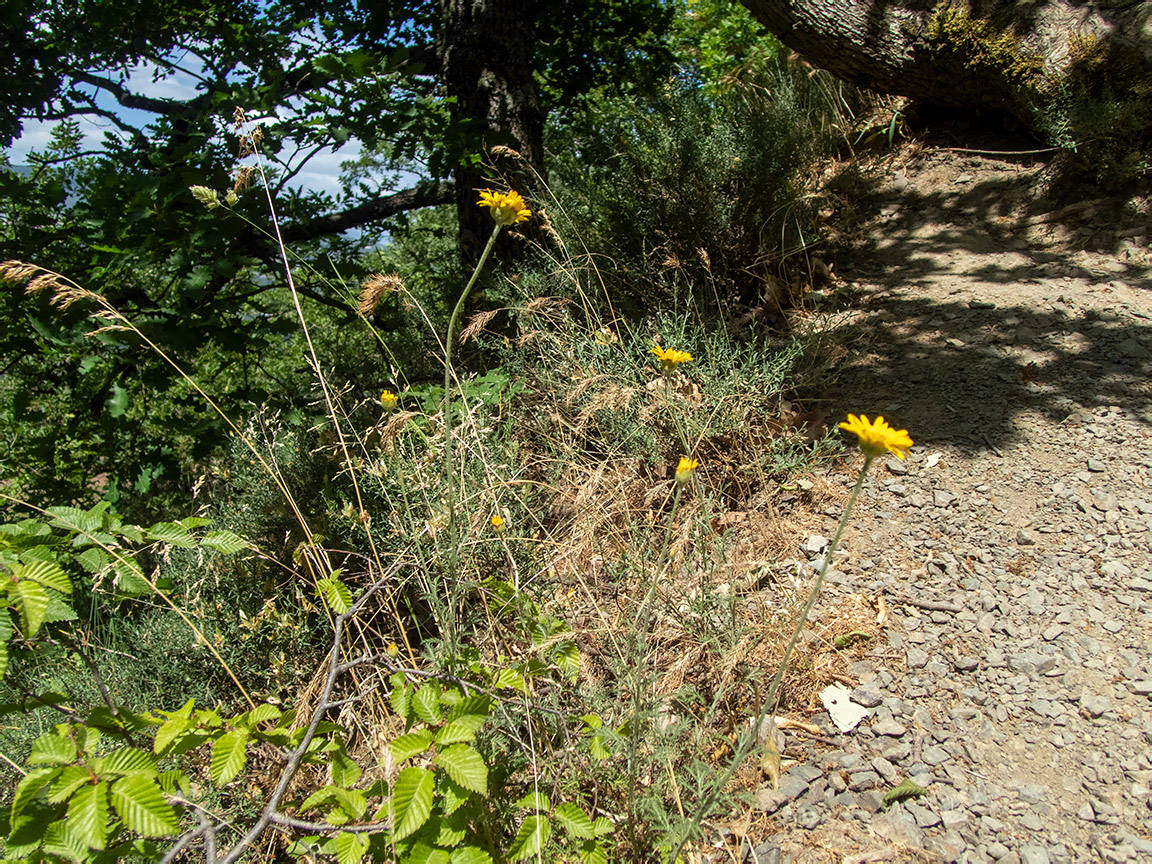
[[995, 53]]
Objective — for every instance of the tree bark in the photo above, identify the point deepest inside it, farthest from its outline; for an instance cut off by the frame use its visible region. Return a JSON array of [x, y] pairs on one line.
[[485, 48], [898, 48]]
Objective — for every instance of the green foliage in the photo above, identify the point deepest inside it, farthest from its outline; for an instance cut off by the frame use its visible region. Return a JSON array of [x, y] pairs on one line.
[[702, 189]]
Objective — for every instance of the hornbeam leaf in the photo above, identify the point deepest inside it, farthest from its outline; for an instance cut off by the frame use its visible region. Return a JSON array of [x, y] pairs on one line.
[[229, 752], [465, 766], [141, 805], [575, 821], [47, 573], [224, 541], [533, 834], [30, 786], [171, 532], [52, 749], [411, 801], [32, 601], [349, 848], [88, 815], [407, 746]]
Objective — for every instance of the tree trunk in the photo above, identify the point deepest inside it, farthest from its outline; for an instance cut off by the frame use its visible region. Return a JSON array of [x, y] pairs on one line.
[[995, 53], [485, 49]]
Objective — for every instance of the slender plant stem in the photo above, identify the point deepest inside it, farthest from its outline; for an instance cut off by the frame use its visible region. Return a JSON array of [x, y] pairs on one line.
[[770, 701], [449, 473]]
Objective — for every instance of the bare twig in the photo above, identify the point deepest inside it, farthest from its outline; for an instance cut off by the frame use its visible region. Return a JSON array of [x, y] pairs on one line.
[[271, 813]]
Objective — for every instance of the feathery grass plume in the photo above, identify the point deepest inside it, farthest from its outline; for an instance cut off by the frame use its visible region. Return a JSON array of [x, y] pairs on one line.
[[477, 323], [244, 177], [375, 287], [16, 271]]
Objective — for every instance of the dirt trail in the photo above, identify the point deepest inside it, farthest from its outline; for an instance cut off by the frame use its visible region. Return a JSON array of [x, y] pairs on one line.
[[1013, 338]]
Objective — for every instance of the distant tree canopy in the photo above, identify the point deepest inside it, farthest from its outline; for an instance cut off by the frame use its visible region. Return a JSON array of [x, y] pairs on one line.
[[428, 90]]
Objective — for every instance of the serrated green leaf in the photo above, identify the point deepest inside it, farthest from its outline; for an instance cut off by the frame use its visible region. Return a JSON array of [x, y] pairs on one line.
[[423, 853], [320, 796], [174, 781], [603, 826], [224, 542], [470, 855], [407, 746], [191, 522], [32, 602], [593, 852], [352, 801], [47, 573], [260, 714], [452, 795], [566, 656], [141, 805], [129, 578], [52, 749], [533, 834], [73, 519], [426, 703], [229, 753], [575, 821], [172, 728], [401, 696], [465, 766], [93, 559], [509, 678], [58, 609], [462, 729], [29, 787], [172, 533], [70, 779], [345, 771], [128, 760], [350, 848], [598, 748], [88, 815], [62, 841], [411, 801], [450, 831], [477, 705], [336, 595], [534, 800]]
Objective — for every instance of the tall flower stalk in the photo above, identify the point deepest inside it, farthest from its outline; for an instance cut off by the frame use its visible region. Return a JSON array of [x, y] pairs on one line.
[[875, 438], [507, 208]]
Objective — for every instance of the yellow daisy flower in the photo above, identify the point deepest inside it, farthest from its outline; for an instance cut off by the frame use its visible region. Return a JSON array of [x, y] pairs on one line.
[[498, 524], [389, 399], [877, 438], [670, 358], [685, 468], [507, 208]]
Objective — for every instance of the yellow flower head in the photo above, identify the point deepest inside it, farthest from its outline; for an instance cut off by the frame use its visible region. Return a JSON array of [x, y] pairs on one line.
[[388, 399], [507, 208], [685, 468], [498, 523], [877, 438], [670, 358]]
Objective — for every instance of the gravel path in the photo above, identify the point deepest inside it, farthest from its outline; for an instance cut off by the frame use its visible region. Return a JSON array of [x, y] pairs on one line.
[[1012, 547]]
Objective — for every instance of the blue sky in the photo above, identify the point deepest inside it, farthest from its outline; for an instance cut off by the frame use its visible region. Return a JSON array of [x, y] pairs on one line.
[[322, 173]]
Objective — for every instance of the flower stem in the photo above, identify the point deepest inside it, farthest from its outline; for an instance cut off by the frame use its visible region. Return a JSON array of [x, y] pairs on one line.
[[770, 701], [449, 473]]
